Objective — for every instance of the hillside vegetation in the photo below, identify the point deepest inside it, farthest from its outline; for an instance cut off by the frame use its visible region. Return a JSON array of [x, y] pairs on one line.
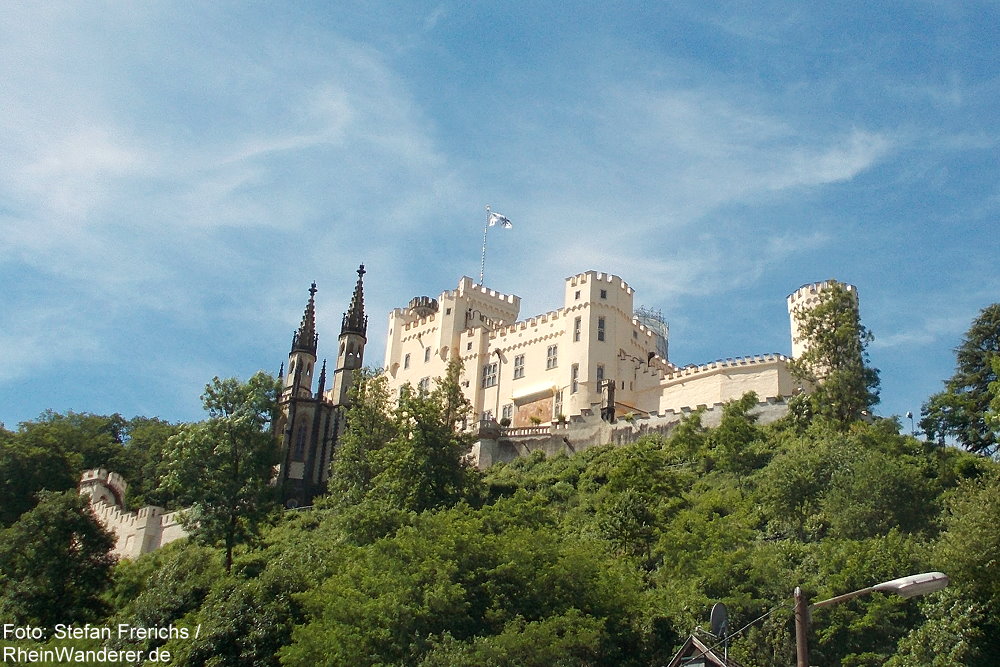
[[612, 556]]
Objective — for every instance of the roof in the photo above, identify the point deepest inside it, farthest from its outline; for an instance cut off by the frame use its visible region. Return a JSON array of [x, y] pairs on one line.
[[694, 648]]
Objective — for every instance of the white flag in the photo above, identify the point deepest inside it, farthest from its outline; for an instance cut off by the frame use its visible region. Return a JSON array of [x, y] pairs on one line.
[[498, 218]]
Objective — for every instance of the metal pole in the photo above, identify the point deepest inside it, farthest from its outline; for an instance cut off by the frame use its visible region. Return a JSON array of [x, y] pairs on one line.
[[482, 267], [801, 629]]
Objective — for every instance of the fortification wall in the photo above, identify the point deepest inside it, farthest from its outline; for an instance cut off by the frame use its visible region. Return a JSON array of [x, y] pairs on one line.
[[136, 532], [589, 430]]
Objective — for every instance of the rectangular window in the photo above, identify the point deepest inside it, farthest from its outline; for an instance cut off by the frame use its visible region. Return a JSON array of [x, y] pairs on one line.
[[488, 415], [519, 366], [507, 412], [424, 385], [490, 375], [427, 354], [574, 376], [552, 357], [577, 324], [406, 361], [577, 297], [557, 406], [600, 328], [600, 375], [604, 294], [469, 346]]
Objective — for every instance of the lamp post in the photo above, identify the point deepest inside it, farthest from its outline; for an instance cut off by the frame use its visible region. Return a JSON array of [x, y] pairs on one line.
[[907, 587]]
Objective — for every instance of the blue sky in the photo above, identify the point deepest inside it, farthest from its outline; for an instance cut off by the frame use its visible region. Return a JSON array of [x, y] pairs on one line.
[[174, 175]]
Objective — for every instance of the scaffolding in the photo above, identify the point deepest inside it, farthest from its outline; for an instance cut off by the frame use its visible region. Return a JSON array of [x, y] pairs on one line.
[[652, 319]]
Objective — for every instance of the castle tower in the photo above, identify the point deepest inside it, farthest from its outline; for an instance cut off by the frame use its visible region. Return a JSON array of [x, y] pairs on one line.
[[802, 300], [353, 336], [302, 358]]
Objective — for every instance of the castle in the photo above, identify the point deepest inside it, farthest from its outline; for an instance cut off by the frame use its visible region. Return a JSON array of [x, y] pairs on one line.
[[593, 371]]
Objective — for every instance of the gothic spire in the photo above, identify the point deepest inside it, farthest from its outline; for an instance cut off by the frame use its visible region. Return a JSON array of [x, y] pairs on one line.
[[355, 320], [306, 338]]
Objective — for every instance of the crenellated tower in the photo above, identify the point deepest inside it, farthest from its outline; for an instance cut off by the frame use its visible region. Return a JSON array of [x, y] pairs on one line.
[[353, 336]]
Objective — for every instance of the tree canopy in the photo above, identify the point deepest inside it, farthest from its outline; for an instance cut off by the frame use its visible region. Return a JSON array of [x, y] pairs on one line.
[[961, 410], [223, 466], [835, 360]]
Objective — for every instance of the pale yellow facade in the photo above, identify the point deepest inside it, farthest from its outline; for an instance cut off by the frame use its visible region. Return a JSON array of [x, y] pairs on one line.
[[135, 533], [559, 363]]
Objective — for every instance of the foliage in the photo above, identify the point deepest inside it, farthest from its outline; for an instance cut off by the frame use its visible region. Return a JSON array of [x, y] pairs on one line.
[[223, 466], [51, 453], [960, 411], [395, 461], [835, 360], [54, 563], [611, 556]]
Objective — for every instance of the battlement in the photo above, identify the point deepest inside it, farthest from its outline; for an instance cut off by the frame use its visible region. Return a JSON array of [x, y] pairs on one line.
[[732, 362], [114, 482], [422, 306], [598, 276], [467, 285], [809, 291]]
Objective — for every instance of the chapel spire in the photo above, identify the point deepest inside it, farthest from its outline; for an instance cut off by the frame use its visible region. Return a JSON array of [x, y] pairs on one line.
[[306, 338], [355, 320]]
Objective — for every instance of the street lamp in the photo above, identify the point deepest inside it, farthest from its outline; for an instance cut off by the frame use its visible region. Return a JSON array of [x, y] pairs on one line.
[[907, 587]]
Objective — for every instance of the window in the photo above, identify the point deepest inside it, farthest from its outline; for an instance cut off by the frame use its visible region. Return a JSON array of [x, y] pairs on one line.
[[447, 311], [490, 375], [552, 357], [600, 328], [424, 385], [600, 375], [469, 345], [427, 354], [604, 294], [488, 415], [519, 366], [574, 376], [300, 444], [406, 361], [557, 406], [635, 334], [577, 297], [577, 323], [507, 411]]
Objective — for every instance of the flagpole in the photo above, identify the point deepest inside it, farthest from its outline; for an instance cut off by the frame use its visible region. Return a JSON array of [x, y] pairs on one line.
[[482, 267]]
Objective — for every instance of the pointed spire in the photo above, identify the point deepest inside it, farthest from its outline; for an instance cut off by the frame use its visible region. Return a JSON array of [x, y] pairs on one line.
[[355, 320], [305, 339], [281, 370], [322, 381]]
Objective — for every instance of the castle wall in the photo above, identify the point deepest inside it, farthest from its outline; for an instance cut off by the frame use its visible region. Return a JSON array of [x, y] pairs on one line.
[[136, 533], [543, 366]]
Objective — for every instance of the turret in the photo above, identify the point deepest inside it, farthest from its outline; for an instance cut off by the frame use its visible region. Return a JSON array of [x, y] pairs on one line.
[[302, 357], [802, 300], [353, 336]]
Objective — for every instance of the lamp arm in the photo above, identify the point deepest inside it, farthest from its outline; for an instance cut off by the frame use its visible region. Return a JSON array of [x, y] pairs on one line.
[[843, 598]]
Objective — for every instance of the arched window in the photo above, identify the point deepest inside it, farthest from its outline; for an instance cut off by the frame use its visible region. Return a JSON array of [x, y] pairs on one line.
[[300, 444]]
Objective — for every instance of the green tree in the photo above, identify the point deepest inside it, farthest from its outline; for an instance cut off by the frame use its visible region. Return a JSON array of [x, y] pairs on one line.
[[51, 452], [145, 443], [961, 409], [223, 466], [370, 426], [835, 359], [55, 561]]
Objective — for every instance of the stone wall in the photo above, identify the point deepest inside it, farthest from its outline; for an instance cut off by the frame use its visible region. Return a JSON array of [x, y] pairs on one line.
[[136, 533]]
